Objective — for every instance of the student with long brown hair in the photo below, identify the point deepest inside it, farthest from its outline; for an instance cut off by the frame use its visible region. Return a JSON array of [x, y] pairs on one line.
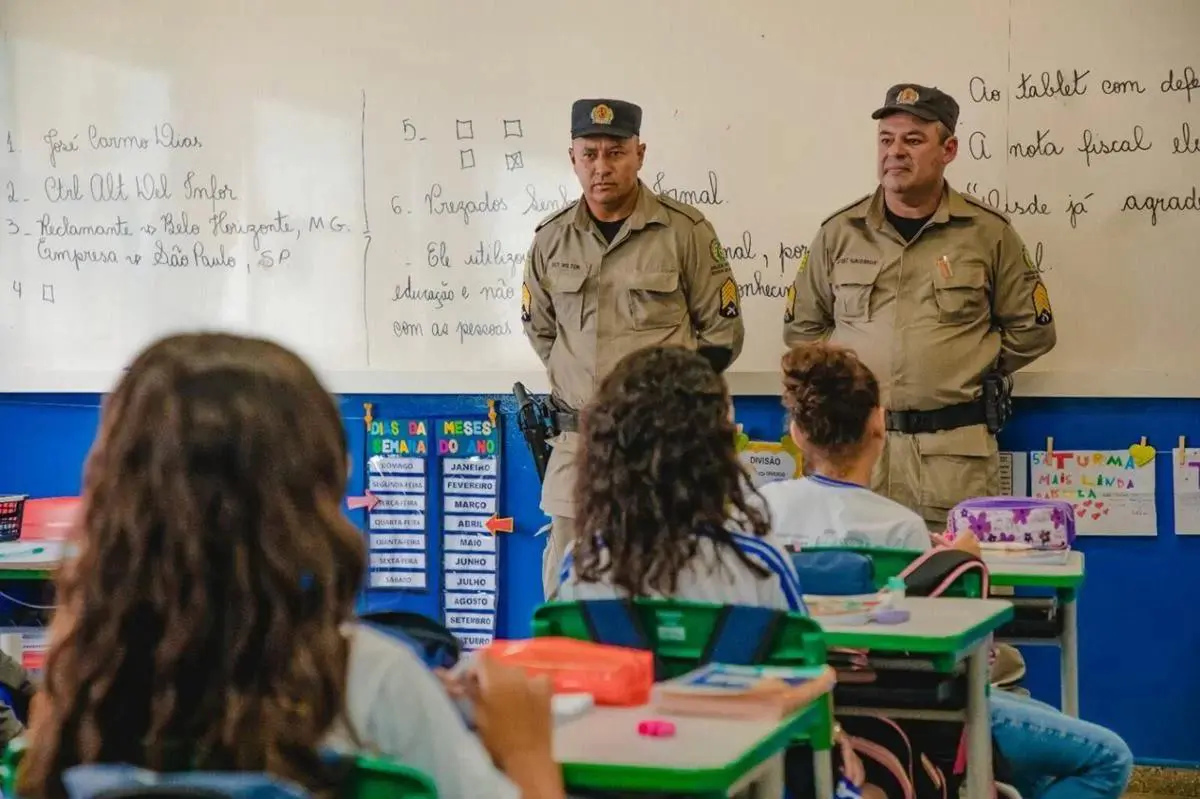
[[207, 621]]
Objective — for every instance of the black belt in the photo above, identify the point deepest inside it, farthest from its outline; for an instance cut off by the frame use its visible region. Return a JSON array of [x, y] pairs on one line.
[[566, 421], [951, 417]]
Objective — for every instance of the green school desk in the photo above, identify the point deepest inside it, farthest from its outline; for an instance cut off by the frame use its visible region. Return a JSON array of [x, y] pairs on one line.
[[1065, 580], [707, 757], [947, 631]]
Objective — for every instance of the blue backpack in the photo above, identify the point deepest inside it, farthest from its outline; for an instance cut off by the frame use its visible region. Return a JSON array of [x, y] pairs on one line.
[[118, 781]]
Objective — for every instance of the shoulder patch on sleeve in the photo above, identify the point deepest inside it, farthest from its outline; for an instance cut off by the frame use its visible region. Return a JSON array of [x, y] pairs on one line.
[[526, 303], [718, 253], [690, 211], [555, 215], [789, 310], [848, 206], [975, 202], [730, 308], [1041, 304], [1031, 264]]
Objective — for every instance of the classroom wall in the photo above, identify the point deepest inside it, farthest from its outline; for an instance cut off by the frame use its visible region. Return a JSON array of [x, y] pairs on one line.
[[1138, 652]]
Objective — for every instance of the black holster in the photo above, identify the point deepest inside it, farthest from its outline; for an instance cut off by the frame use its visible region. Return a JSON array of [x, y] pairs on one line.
[[997, 400]]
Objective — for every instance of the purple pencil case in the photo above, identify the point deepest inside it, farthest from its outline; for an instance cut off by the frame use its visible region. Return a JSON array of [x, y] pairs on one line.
[[1041, 524]]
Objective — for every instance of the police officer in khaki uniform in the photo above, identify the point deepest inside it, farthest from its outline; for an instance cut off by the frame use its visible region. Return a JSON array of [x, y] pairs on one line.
[[619, 270], [937, 294]]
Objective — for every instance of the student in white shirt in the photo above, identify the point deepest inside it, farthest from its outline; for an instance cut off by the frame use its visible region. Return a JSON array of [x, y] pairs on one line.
[[207, 622], [833, 404], [661, 494], [836, 419]]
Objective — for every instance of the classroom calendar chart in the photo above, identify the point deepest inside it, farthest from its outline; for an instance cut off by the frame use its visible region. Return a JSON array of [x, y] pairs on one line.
[[1186, 490], [397, 522], [1112, 491], [468, 451]]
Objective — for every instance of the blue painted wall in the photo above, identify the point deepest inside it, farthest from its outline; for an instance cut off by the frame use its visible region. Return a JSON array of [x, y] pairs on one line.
[[1138, 651]]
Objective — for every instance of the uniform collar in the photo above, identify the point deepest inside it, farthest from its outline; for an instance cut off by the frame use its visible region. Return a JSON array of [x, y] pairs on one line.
[[647, 211], [952, 206]]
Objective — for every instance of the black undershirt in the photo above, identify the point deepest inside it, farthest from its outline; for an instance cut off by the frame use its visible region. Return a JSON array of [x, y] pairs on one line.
[[609, 230], [907, 227]]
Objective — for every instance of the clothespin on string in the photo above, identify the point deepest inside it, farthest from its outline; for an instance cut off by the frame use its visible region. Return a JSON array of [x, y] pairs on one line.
[[1049, 446], [1182, 450], [367, 418]]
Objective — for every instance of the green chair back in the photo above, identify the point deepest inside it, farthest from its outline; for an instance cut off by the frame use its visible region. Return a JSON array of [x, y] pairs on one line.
[[679, 632], [375, 778]]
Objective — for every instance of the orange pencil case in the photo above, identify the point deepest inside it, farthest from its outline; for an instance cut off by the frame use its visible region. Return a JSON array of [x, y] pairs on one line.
[[613, 675]]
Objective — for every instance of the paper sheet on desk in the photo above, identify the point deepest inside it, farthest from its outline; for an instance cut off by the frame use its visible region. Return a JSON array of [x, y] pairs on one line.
[[1186, 490]]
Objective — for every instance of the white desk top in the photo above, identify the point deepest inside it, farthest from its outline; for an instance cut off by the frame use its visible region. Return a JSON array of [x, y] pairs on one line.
[[935, 624], [608, 736], [32, 555], [998, 566]]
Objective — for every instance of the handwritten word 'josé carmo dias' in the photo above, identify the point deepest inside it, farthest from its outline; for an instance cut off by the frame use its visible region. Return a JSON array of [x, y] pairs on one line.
[[163, 136]]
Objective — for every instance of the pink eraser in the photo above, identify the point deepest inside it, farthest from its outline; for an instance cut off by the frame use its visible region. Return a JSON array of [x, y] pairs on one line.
[[656, 728]]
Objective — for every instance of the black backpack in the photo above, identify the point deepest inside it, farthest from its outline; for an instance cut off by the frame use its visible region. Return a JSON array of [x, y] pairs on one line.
[[906, 758]]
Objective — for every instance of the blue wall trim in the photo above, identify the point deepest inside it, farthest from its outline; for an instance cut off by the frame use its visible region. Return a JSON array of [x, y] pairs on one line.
[[1138, 652]]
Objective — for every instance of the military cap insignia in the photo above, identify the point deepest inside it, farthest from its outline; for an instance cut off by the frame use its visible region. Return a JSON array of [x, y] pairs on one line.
[[789, 311], [907, 96], [1041, 304], [526, 302], [602, 115], [729, 299]]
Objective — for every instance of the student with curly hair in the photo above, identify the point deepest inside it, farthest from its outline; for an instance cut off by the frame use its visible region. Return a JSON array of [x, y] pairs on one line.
[[661, 495], [207, 623], [832, 400]]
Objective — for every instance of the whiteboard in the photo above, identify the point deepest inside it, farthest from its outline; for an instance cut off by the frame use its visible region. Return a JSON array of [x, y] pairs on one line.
[[360, 180]]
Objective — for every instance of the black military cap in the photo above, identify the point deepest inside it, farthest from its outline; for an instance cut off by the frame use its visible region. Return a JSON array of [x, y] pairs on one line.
[[615, 118], [925, 102]]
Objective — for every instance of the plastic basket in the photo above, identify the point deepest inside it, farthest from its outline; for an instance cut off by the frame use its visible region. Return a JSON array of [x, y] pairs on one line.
[[12, 508]]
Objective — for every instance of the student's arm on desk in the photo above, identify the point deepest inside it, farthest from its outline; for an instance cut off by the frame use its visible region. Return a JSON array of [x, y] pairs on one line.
[[400, 710]]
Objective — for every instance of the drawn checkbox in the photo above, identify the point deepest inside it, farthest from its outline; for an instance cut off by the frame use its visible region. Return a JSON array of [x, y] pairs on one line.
[[512, 127], [466, 159], [465, 129], [514, 161]]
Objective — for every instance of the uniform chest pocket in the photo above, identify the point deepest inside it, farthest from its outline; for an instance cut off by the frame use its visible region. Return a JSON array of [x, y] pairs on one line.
[[655, 300], [565, 288], [961, 294], [852, 287]]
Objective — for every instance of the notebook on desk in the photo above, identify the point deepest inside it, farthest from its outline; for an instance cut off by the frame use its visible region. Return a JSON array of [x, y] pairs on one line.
[[719, 689]]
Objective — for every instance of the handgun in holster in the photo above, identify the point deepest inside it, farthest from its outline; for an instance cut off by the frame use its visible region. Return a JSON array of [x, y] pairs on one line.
[[536, 423], [997, 400]]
